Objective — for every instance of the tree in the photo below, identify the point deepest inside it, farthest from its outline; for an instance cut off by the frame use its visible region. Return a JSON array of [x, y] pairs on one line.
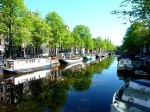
[[82, 37], [136, 36], [40, 31], [99, 42], [10, 21], [139, 10], [57, 28], [68, 40], [108, 45], [76, 35]]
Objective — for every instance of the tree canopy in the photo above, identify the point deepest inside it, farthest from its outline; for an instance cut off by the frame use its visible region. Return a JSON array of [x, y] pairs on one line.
[[139, 10], [20, 27], [138, 14], [57, 28], [83, 37], [40, 31], [136, 36]]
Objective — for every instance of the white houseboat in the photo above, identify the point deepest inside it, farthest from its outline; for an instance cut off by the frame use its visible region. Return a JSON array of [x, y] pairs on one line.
[[125, 64], [26, 65]]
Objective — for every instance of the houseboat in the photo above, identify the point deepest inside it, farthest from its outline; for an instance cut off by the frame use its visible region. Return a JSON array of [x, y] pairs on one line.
[[125, 64], [21, 66]]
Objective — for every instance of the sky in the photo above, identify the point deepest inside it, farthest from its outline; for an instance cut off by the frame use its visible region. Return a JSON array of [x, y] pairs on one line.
[[94, 14]]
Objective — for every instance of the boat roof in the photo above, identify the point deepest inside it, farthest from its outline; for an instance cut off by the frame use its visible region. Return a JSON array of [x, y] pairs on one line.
[[25, 59], [143, 83]]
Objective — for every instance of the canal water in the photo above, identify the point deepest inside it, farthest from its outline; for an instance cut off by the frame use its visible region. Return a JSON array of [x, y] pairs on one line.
[[87, 87]]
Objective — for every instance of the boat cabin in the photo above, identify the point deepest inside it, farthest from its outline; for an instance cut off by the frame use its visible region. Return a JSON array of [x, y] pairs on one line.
[[27, 63], [125, 61]]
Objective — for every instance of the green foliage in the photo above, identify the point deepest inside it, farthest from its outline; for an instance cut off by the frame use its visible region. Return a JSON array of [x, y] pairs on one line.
[[139, 15], [82, 37], [104, 44], [23, 32], [137, 36], [57, 28], [98, 43], [10, 21], [82, 85], [40, 31], [21, 27], [68, 40], [139, 10]]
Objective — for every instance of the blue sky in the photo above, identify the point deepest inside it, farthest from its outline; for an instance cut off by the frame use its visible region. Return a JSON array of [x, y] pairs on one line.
[[94, 14]]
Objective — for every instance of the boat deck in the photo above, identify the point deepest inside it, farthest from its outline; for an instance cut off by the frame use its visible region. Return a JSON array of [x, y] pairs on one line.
[[124, 106], [136, 94]]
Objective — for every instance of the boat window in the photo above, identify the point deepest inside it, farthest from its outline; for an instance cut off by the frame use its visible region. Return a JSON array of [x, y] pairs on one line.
[[26, 61], [39, 61]]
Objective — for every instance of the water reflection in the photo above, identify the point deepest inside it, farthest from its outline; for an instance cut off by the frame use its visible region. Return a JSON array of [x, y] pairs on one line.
[[126, 77], [47, 90]]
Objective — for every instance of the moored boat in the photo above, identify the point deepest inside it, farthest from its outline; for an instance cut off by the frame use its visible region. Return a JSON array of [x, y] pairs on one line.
[[132, 97], [140, 74], [70, 60], [89, 57], [125, 64], [93, 57], [21, 66]]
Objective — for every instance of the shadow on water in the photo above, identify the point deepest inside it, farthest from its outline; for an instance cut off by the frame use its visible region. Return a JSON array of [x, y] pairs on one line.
[[126, 77], [48, 90]]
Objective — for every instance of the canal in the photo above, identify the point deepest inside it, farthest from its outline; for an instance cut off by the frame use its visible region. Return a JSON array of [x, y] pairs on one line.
[[88, 88]]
